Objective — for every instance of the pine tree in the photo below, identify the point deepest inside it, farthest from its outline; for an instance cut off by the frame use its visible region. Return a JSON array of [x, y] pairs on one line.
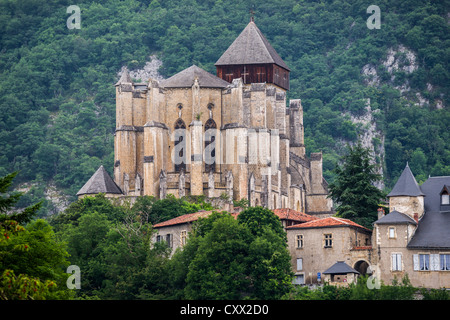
[[353, 188], [8, 200]]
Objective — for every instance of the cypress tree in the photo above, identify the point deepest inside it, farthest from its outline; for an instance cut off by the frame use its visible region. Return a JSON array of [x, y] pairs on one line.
[[353, 189]]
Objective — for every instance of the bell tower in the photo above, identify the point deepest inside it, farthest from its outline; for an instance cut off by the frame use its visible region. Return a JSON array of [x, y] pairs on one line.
[[252, 58]]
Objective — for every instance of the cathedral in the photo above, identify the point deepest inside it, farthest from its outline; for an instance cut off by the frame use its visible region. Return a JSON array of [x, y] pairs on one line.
[[228, 136]]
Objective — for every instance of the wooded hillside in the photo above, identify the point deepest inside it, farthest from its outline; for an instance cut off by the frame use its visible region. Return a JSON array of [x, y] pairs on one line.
[[57, 106]]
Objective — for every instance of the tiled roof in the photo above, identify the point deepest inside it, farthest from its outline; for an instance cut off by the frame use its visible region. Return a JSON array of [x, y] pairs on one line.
[[283, 214], [291, 214], [340, 267], [327, 223], [100, 182], [406, 185], [186, 77], [186, 218], [395, 217], [250, 47]]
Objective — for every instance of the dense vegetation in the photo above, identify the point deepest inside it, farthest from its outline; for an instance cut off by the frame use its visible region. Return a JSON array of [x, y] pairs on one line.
[[224, 257], [353, 190], [57, 106]]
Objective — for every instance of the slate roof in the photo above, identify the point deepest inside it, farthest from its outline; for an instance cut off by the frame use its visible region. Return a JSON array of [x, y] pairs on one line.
[[340, 267], [406, 185], [328, 222], [185, 79], [251, 47], [395, 217], [100, 182], [433, 231]]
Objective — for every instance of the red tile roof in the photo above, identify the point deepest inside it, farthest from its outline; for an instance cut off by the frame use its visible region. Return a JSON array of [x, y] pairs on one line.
[[327, 222], [291, 214], [283, 214], [186, 218]]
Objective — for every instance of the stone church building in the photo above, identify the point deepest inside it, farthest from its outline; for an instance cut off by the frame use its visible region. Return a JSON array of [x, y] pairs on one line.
[[231, 135]]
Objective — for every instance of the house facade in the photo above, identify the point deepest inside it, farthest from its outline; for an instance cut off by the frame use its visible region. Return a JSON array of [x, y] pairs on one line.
[[317, 245], [414, 238]]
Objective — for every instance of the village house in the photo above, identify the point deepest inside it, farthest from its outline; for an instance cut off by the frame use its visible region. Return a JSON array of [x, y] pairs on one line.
[[317, 245], [414, 238], [176, 231]]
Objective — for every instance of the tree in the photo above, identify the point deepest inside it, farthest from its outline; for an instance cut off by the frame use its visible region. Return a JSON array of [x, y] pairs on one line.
[[353, 188], [226, 258], [220, 267], [31, 251], [8, 200]]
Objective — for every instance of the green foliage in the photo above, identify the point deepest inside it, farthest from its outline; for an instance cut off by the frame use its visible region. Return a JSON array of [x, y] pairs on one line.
[[23, 287], [398, 290], [31, 251], [111, 243], [159, 210], [57, 112], [353, 189], [227, 258], [9, 200]]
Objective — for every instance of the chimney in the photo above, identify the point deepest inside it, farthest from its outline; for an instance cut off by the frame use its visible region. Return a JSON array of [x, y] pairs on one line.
[[380, 213], [416, 217]]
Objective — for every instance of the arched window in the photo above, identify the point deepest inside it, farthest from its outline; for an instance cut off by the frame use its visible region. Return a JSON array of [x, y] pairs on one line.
[[180, 146], [210, 145]]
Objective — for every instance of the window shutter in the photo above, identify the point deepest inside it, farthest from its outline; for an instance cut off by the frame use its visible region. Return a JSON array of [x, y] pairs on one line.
[[399, 261], [393, 261], [416, 262], [299, 264], [434, 262]]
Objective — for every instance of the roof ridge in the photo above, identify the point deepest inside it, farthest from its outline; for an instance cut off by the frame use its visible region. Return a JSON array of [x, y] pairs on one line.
[[341, 219], [251, 47]]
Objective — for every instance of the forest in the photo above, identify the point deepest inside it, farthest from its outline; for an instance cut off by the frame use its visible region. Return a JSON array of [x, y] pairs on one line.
[[57, 106]]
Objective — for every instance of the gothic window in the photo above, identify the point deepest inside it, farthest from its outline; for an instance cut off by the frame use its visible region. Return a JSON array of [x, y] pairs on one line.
[[210, 150], [180, 145]]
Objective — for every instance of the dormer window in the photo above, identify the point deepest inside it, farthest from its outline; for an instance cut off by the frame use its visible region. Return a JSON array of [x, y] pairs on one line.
[[445, 196]]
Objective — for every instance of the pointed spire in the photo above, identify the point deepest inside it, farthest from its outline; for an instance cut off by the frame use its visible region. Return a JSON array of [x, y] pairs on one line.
[[406, 185], [251, 47], [125, 77], [100, 182]]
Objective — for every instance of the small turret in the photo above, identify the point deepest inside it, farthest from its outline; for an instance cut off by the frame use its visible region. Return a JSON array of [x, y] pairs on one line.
[[406, 196]]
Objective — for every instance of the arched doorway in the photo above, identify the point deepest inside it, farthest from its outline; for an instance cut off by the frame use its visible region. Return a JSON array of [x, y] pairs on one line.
[[361, 266]]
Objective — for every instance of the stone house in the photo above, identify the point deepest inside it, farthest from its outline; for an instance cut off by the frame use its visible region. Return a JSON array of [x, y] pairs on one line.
[[230, 134], [414, 238], [317, 245], [175, 231]]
